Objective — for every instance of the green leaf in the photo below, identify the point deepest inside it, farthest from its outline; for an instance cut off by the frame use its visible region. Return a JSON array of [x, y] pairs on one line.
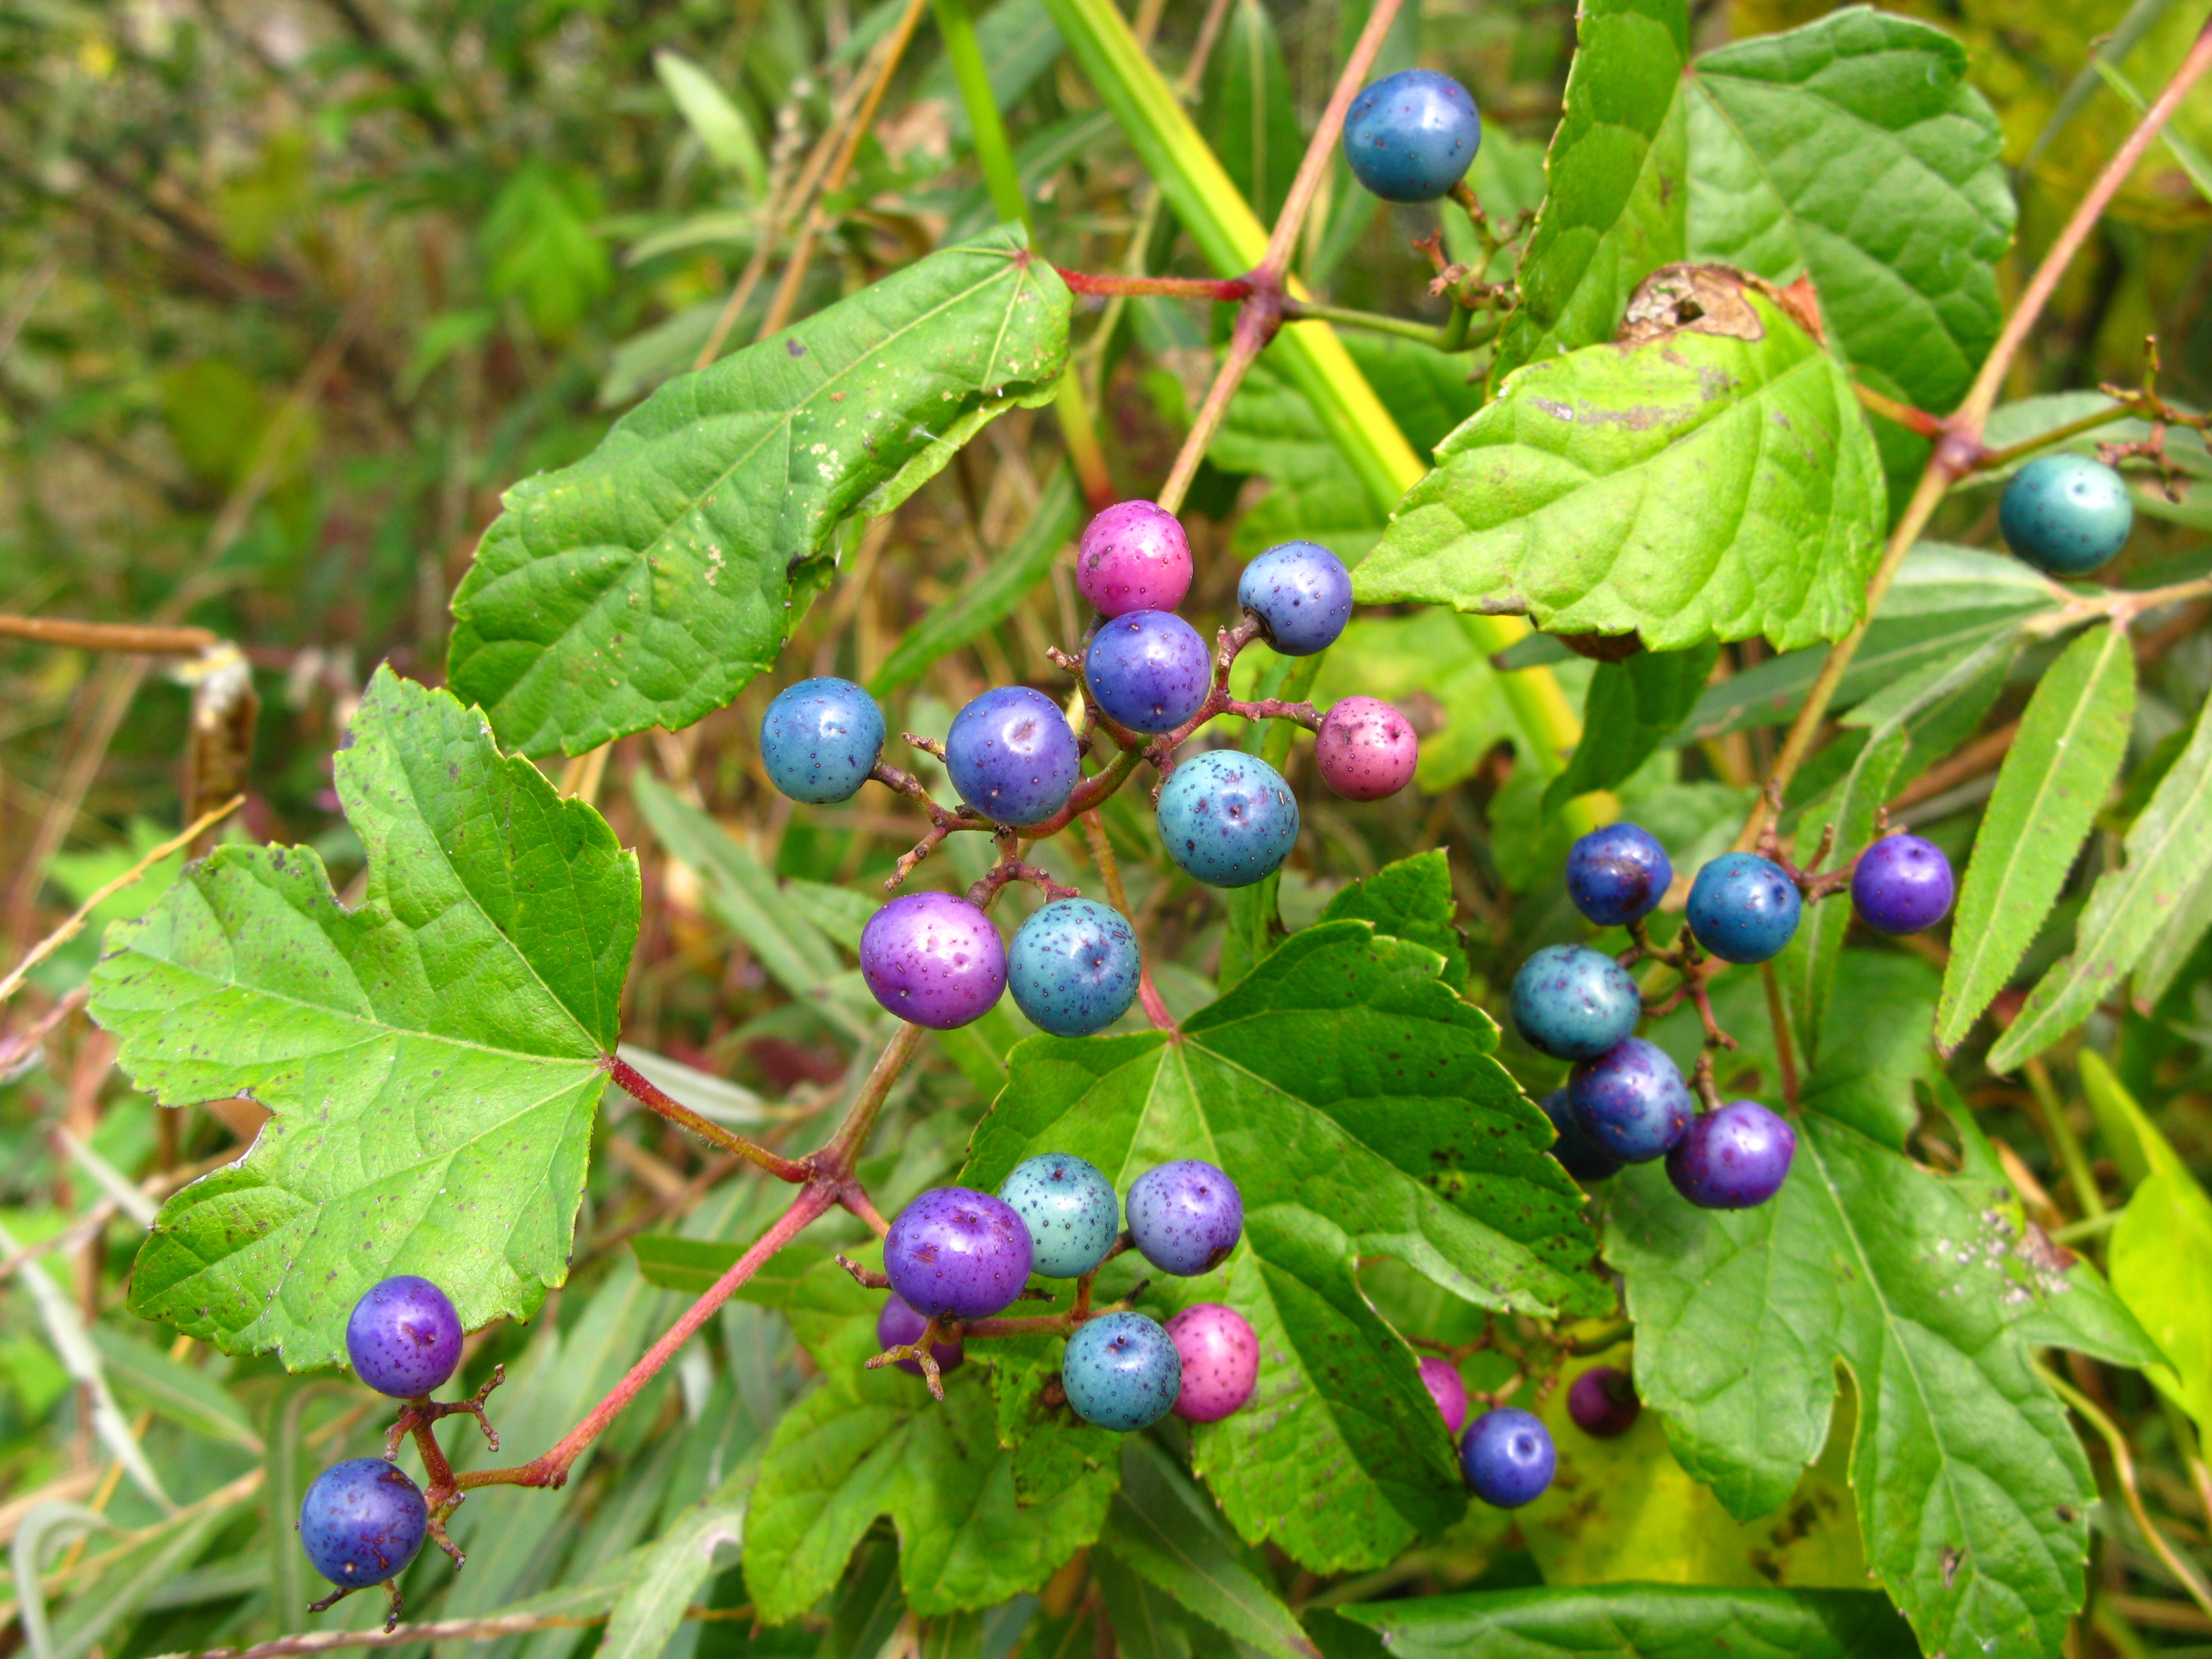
[[2164, 859], [433, 1058], [1411, 899], [1630, 710], [720, 123], [677, 1566], [646, 584], [1696, 486], [2056, 777], [2175, 945], [1642, 1622], [144, 1374], [1250, 110]]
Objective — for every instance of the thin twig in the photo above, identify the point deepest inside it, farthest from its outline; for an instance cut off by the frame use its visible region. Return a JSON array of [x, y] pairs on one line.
[[1320, 152], [438, 1630], [649, 1095], [109, 636]]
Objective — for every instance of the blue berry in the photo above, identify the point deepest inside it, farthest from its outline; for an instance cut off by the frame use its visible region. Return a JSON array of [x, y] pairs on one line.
[[1508, 1457], [1629, 1103], [1300, 593], [404, 1337], [1574, 1003], [1070, 1210], [1013, 757], [1576, 1156], [820, 739], [1148, 670], [363, 1521], [1228, 817], [1733, 1158], [1072, 967], [1185, 1217], [1411, 137], [1743, 908], [2066, 514], [1902, 884], [957, 1252], [1618, 874], [1121, 1371]]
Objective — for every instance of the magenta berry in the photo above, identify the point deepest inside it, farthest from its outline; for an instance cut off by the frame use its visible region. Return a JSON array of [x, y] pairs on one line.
[[898, 1326], [1148, 671], [1366, 749], [1448, 1388], [1602, 1402], [1013, 757], [957, 1252], [1902, 884], [933, 958], [1220, 1361], [1733, 1158], [404, 1337], [1133, 557]]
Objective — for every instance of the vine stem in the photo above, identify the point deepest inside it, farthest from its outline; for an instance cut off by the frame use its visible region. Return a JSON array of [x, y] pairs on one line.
[[649, 1094], [149, 638], [852, 1135]]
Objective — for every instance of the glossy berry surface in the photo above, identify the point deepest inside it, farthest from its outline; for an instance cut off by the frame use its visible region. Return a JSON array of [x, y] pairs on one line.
[[1365, 748], [1447, 1388], [1228, 817], [1629, 1103], [1574, 1003], [1902, 884], [1618, 874], [404, 1337], [933, 958], [1733, 1159], [1411, 137], [1602, 1402], [2066, 514], [898, 1325], [1743, 908], [820, 739], [1070, 1210], [363, 1521], [1012, 755], [1133, 557], [1072, 967], [1121, 1371], [958, 1252], [1576, 1156], [1185, 1217], [1148, 670], [1301, 594], [1508, 1457], [1220, 1361]]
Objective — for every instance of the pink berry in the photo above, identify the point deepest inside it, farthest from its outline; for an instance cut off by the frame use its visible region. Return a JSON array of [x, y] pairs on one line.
[[1220, 1361], [1367, 748], [1133, 557], [1447, 1390]]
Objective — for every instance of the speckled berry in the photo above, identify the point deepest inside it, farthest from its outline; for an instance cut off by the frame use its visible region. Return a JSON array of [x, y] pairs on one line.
[[1902, 884], [1448, 1388], [404, 1337], [898, 1326], [1073, 966], [1070, 1210], [363, 1521], [1220, 1361], [1148, 671], [1300, 593], [1574, 1003], [1576, 1156], [2066, 514], [1121, 1371], [1743, 908], [1013, 757], [957, 1252], [1185, 1217], [1228, 817], [1411, 137], [1602, 1402], [1735, 1157], [933, 958], [1618, 874], [1631, 1103], [1365, 748], [1508, 1457], [1133, 556], [820, 739]]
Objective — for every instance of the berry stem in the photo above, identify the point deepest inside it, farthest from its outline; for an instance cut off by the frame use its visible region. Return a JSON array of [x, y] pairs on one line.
[[1226, 290], [837, 1158], [1376, 322], [642, 1090], [1148, 994], [1785, 1048]]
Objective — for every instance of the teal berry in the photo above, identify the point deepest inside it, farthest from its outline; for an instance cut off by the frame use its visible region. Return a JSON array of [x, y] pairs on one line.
[[1073, 967], [1228, 817], [1574, 1003], [820, 739], [1070, 1210], [1744, 908], [1121, 1373], [1411, 137], [2066, 514]]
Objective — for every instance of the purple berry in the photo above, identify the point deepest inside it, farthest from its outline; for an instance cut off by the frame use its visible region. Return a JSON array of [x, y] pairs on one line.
[[1121, 1371], [1301, 594], [1228, 817], [1576, 1156], [1508, 1457], [1447, 1388], [1366, 749], [363, 1521], [1743, 908], [1133, 557], [1902, 884], [1735, 1158], [897, 1326], [1411, 136], [933, 958], [1602, 1402], [1629, 1103], [1220, 1361], [1148, 671], [1185, 1217], [1574, 1003], [1013, 757], [404, 1337], [957, 1252], [1618, 874]]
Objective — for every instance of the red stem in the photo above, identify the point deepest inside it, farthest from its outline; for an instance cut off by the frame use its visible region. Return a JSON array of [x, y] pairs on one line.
[[1226, 290], [635, 1084]]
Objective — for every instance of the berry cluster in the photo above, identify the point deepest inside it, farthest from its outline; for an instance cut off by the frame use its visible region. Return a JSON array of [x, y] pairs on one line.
[[1506, 1455]]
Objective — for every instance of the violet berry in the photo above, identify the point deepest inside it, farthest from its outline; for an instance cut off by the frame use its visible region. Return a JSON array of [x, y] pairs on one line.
[[1902, 884], [957, 1252], [1602, 1402], [933, 958]]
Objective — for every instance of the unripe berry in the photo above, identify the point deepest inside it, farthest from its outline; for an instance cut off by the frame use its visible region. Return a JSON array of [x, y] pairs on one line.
[[1013, 757], [899, 1326], [1185, 1217], [1365, 748], [1148, 671], [957, 1252], [1576, 1156], [1220, 1360], [1618, 874], [1602, 1402], [1073, 967], [1227, 818], [1121, 1371], [1733, 1159], [1411, 137], [933, 958], [1574, 1003], [1902, 884], [820, 739], [1448, 1388], [363, 1521], [2066, 514], [1133, 557], [1301, 594], [404, 1337], [1631, 1103], [1508, 1457], [1743, 908], [1070, 1210]]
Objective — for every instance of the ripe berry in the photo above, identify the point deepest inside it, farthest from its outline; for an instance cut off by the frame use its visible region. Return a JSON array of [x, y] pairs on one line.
[[957, 1251], [1447, 1388], [1508, 1457], [1220, 1361], [1618, 874], [1902, 884], [1574, 1003], [1602, 1402], [1366, 749], [1072, 967], [1301, 594], [933, 958], [820, 739], [1133, 557], [898, 1325], [2066, 514], [1070, 1210], [1733, 1158], [1576, 1156], [363, 1521], [1228, 817], [1411, 137], [1629, 1103], [1012, 755], [1743, 908], [404, 1337], [1148, 670], [1185, 1217], [1121, 1371]]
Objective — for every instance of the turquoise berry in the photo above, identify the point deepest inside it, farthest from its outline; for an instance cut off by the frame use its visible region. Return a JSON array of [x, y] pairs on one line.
[[1121, 1371], [1574, 1003], [1411, 137], [1070, 1210], [1228, 817], [2066, 514], [820, 739], [1743, 908], [1072, 967]]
